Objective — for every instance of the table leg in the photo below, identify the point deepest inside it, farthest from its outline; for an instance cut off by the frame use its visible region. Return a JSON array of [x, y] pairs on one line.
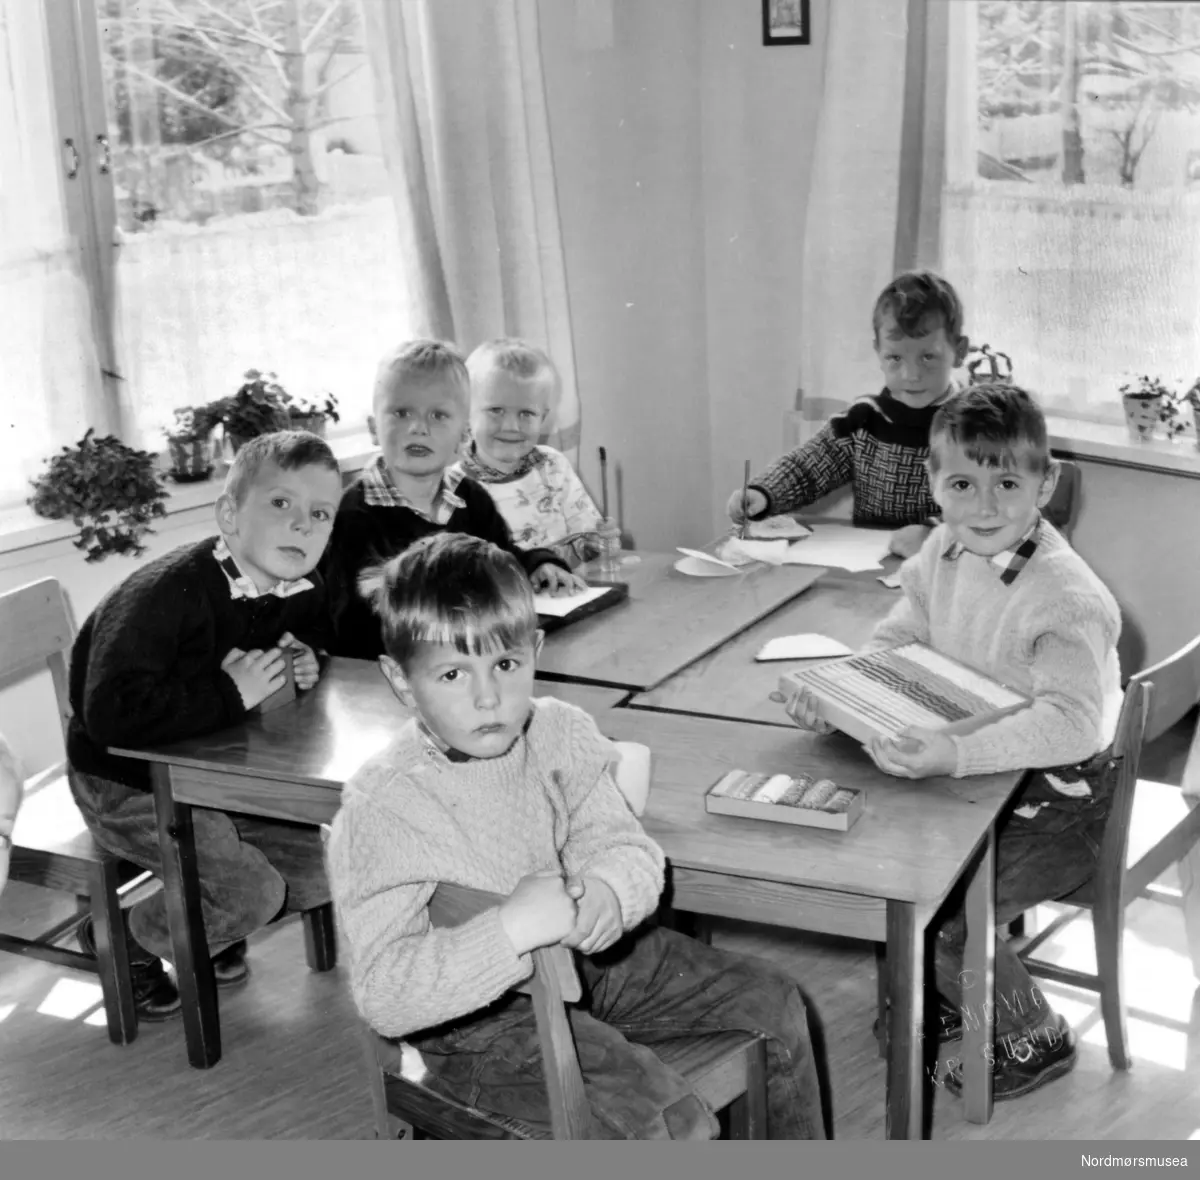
[[181, 886], [979, 980], [1189, 883], [906, 1082]]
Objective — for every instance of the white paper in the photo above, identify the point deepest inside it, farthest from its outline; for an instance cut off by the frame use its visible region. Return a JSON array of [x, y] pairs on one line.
[[802, 647], [775, 527], [736, 549], [891, 581], [700, 555], [840, 546], [564, 605], [695, 568]]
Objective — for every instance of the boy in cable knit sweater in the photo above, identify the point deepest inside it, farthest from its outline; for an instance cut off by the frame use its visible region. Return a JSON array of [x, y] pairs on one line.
[[997, 588], [488, 788]]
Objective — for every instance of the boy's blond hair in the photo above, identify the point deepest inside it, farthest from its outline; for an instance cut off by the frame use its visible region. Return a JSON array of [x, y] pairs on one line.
[[516, 357], [287, 449], [419, 360]]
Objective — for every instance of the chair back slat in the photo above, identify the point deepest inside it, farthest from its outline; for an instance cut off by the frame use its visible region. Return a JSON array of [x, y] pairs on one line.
[[1176, 683], [570, 1112], [36, 629]]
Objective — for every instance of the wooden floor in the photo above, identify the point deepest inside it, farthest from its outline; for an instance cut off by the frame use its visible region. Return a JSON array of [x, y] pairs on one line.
[[293, 1068]]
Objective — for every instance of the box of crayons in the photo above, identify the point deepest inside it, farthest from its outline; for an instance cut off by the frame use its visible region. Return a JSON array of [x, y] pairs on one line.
[[780, 798]]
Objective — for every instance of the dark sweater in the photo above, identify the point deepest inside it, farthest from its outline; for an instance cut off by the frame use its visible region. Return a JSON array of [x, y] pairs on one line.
[[879, 445], [365, 535], [146, 665]]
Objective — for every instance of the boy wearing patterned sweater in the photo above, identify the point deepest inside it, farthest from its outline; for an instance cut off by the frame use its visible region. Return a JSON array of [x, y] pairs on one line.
[[542, 499], [189, 644], [996, 587], [880, 444], [414, 488], [487, 788]]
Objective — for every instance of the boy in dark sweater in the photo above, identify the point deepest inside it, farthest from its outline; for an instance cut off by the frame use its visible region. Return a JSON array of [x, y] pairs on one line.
[[190, 643], [420, 420], [881, 443]]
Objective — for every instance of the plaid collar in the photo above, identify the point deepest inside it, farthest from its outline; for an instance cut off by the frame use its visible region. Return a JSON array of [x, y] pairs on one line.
[[242, 586], [473, 465], [381, 492], [1010, 561]]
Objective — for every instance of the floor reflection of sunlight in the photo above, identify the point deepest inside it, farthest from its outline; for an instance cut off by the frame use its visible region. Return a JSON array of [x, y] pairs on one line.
[[1195, 1134], [6, 1010], [98, 1019], [1147, 1042], [68, 999]]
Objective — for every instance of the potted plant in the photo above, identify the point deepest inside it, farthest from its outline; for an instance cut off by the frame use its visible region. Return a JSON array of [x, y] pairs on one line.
[[1192, 399], [258, 407], [190, 442], [985, 365], [312, 415], [110, 491], [1147, 402]]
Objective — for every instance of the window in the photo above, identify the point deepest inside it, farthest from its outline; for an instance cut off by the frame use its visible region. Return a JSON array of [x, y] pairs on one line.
[[1071, 210], [229, 210]]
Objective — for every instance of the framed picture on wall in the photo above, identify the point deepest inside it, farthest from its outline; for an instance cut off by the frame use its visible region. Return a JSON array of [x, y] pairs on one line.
[[785, 22]]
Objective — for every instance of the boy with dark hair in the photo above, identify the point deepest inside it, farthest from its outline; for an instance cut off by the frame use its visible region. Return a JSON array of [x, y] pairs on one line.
[[997, 588], [421, 404], [880, 443], [188, 644], [492, 789]]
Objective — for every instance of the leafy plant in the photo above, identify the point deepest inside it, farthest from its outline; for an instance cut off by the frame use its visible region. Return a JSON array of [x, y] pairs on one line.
[[983, 364], [195, 423], [260, 406], [110, 491], [303, 407], [1147, 388]]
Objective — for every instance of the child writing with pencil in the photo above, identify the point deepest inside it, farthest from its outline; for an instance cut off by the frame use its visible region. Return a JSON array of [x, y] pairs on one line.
[[542, 499], [489, 788], [881, 442], [997, 588], [421, 404]]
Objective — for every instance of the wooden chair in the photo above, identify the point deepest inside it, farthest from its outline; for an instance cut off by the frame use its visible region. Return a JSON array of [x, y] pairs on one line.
[[728, 1070], [1064, 504], [1149, 828], [51, 845]]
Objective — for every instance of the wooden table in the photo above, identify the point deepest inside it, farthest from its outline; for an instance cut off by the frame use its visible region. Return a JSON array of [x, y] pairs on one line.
[[289, 764], [669, 621], [730, 683], [883, 880]]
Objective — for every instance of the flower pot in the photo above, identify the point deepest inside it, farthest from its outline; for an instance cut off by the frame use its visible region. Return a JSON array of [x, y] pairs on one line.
[[1142, 414], [191, 461], [313, 423]]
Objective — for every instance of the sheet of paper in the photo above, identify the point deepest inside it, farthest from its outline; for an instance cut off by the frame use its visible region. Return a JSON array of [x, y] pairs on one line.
[[564, 605], [700, 555], [774, 527], [736, 549], [802, 647], [840, 546], [891, 581]]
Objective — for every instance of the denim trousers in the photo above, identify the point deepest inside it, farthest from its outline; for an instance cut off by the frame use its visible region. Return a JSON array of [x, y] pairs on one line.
[[653, 985], [1038, 859], [251, 870]]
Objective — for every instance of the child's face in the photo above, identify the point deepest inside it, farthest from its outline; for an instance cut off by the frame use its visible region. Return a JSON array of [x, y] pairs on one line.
[[477, 704], [988, 509], [280, 529], [507, 414], [420, 424], [917, 369]]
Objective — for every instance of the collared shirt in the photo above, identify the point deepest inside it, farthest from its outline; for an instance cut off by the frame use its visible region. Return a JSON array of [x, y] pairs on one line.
[[380, 491], [241, 586], [474, 465], [1010, 561]]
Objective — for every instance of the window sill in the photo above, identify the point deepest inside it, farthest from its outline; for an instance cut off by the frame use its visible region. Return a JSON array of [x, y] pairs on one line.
[[1103, 442], [22, 528]]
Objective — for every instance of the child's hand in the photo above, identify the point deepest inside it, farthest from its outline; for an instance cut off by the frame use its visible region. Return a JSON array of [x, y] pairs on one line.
[[598, 924], [908, 540], [538, 913], [755, 504], [305, 665], [557, 582], [804, 709], [917, 753], [257, 674]]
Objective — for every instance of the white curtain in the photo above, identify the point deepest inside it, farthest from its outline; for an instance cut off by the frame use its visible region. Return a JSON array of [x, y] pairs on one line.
[[49, 370], [463, 114]]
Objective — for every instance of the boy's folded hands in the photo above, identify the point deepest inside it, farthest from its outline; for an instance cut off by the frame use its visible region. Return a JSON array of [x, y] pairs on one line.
[[598, 923], [544, 909], [257, 674], [305, 665]]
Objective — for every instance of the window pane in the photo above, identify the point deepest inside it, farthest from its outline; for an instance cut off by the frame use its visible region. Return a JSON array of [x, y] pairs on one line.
[[254, 224], [1073, 224]]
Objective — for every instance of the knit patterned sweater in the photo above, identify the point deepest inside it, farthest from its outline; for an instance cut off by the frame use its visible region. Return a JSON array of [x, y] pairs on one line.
[[411, 818], [879, 445], [1051, 634]]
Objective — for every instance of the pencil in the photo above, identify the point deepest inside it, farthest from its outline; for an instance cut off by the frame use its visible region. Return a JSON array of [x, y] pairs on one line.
[[604, 483], [745, 490]]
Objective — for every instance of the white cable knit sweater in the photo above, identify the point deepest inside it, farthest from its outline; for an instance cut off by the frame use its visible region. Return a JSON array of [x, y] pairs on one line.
[[1051, 634], [411, 818]]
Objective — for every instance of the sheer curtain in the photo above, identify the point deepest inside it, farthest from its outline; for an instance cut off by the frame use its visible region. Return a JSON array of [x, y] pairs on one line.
[[49, 368], [466, 131]]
